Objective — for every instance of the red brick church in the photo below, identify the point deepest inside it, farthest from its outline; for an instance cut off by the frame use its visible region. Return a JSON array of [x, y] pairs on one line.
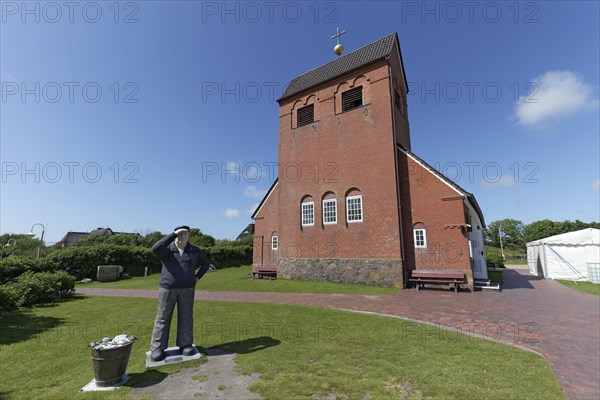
[[352, 202]]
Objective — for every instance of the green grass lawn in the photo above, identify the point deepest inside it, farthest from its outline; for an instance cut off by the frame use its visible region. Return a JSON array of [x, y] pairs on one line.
[[299, 351], [496, 277], [238, 279], [585, 287]]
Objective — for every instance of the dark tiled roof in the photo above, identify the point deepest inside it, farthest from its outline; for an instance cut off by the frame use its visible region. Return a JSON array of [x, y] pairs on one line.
[[105, 232], [249, 231], [378, 50], [72, 237], [443, 177]]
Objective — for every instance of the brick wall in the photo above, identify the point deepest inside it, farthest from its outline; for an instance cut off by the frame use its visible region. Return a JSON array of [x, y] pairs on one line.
[[440, 210], [341, 153], [266, 223]]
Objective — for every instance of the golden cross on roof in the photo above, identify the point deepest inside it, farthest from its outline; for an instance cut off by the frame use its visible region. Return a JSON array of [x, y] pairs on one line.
[[338, 34], [338, 49]]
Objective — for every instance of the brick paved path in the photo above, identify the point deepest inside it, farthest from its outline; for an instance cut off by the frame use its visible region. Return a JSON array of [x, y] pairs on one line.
[[542, 315]]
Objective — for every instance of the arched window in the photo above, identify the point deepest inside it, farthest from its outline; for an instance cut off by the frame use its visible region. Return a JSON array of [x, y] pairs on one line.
[[274, 241], [354, 206], [420, 236], [307, 211], [329, 209]]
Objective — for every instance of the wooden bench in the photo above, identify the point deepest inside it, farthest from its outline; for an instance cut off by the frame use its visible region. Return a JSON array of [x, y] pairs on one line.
[[438, 277], [264, 271]]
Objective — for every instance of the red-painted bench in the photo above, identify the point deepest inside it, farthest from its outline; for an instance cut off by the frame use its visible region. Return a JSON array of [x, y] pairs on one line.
[[264, 271], [455, 278]]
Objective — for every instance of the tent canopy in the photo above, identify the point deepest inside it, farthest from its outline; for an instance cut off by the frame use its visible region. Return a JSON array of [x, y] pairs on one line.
[[565, 256]]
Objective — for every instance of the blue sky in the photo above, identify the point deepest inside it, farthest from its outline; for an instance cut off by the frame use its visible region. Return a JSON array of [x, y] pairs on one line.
[[142, 116]]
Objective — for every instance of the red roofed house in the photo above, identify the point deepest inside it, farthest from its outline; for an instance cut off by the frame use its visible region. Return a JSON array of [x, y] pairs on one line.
[[352, 203]]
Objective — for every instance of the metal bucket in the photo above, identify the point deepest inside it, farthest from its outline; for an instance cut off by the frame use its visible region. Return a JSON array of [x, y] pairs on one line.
[[109, 365]]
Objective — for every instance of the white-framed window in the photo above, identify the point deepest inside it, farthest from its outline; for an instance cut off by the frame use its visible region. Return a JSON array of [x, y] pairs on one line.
[[354, 211], [308, 213], [274, 242], [420, 238], [329, 211]]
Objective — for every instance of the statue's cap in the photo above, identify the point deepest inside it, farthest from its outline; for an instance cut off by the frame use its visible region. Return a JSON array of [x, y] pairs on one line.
[[187, 228]]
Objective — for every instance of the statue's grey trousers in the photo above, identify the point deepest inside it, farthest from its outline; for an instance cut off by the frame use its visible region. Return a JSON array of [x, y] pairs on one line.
[[167, 298]]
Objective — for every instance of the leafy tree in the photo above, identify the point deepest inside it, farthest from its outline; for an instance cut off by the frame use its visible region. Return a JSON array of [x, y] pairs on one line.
[[24, 245], [544, 228], [197, 238], [150, 238], [92, 239], [195, 232], [122, 239], [513, 229], [541, 229], [248, 240]]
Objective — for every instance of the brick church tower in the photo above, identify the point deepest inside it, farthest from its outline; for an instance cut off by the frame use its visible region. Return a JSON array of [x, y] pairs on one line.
[[352, 203]]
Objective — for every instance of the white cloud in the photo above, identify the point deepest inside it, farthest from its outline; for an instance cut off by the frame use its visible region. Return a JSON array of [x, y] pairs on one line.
[[231, 213], [232, 166], [555, 94], [503, 181], [252, 191], [596, 186]]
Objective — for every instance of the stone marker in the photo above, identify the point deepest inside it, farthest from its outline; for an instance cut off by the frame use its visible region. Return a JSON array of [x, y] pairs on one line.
[[108, 273]]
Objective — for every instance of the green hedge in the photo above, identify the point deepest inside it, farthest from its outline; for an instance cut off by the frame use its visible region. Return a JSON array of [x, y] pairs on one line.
[[83, 261], [494, 261], [31, 288], [229, 256], [11, 267]]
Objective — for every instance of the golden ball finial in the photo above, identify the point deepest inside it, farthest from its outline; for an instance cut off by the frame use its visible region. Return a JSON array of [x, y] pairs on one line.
[[338, 49]]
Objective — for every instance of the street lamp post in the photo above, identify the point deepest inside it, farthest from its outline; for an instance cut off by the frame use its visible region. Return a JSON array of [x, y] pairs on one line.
[[12, 253], [41, 238], [14, 242]]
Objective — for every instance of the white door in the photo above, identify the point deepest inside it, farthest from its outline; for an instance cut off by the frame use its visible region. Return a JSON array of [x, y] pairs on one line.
[[477, 251]]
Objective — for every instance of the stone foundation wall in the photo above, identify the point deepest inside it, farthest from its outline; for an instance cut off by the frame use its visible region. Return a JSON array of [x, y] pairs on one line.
[[339, 270]]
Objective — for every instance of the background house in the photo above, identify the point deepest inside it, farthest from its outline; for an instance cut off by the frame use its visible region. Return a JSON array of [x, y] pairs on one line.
[[72, 238]]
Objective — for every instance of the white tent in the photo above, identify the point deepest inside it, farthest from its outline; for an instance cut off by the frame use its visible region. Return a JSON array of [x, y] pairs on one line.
[[565, 256]]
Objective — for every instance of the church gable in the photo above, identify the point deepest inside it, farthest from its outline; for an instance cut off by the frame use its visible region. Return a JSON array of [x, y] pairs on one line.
[[456, 190]]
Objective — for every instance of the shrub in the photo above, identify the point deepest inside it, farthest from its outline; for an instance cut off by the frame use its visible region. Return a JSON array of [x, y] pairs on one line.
[[494, 261], [122, 239], [229, 256], [8, 298], [201, 240], [42, 287], [11, 267], [83, 261]]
